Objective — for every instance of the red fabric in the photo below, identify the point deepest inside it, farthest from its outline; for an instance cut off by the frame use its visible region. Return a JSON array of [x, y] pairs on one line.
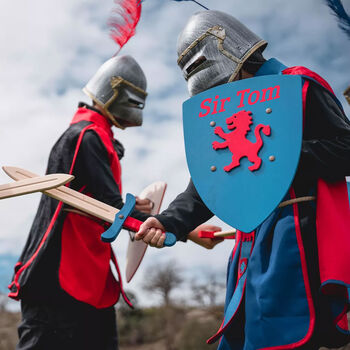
[[299, 70], [332, 221], [84, 270], [103, 128], [342, 321], [333, 226]]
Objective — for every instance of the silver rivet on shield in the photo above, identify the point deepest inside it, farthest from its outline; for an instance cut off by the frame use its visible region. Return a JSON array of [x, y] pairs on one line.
[[272, 158], [268, 110], [121, 216], [212, 123], [213, 168]]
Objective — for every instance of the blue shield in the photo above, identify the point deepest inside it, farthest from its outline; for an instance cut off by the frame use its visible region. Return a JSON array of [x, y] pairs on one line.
[[243, 142]]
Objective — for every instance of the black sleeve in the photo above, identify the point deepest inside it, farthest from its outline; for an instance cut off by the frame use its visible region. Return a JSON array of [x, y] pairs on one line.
[[93, 171], [185, 213], [326, 139]]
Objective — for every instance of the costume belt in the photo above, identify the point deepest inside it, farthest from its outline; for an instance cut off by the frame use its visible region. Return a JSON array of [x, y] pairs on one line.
[[296, 200]]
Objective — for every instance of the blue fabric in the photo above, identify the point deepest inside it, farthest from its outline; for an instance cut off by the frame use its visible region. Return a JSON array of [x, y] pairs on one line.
[[275, 296], [232, 274], [233, 304], [276, 308], [271, 66], [277, 311]]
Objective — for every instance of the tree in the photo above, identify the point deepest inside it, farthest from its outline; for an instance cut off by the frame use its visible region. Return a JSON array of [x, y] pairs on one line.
[[207, 292], [163, 280]]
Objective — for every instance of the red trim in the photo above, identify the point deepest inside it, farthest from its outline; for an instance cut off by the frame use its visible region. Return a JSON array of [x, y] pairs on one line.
[[80, 138], [86, 114], [15, 280], [340, 319], [240, 270], [220, 332], [304, 93], [299, 70], [306, 283], [19, 263], [244, 237], [237, 240], [19, 272], [114, 259]]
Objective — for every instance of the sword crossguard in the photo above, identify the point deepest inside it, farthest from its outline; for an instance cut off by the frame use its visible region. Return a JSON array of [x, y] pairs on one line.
[[112, 233]]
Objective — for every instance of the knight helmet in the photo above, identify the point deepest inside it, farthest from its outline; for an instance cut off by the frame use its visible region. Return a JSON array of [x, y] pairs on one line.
[[212, 49], [118, 87]]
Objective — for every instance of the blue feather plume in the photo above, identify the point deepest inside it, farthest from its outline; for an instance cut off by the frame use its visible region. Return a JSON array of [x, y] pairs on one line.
[[344, 19], [198, 3]]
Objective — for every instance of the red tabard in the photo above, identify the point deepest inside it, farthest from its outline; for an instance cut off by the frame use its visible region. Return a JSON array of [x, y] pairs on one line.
[[84, 270]]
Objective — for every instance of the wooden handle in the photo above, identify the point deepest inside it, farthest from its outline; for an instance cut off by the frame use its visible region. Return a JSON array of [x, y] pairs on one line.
[[217, 235]]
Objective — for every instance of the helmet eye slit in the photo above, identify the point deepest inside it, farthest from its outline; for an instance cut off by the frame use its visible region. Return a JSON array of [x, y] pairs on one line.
[[135, 103], [200, 60]]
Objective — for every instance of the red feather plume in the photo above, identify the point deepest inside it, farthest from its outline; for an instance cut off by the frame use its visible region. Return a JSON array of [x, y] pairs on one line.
[[124, 20]]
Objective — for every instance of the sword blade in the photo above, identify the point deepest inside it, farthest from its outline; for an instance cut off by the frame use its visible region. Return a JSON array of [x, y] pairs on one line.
[[69, 196], [85, 203], [32, 185]]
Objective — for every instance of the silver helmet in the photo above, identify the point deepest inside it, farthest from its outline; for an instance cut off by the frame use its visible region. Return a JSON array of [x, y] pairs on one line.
[[118, 87], [212, 49]]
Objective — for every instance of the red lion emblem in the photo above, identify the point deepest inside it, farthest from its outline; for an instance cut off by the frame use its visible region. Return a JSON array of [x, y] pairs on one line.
[[237, 141]]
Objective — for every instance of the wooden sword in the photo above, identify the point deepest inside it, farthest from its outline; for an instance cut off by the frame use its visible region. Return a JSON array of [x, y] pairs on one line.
[[118, 218]]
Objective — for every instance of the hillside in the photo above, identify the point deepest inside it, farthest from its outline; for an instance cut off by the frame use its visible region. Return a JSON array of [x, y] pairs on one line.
[[146, 329]]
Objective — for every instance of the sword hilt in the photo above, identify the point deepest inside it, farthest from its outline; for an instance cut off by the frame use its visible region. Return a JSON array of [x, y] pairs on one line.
[[217, 234], [123, 220]]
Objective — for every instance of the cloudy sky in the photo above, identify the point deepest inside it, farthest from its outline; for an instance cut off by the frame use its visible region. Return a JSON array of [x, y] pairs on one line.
[[49, 50]]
